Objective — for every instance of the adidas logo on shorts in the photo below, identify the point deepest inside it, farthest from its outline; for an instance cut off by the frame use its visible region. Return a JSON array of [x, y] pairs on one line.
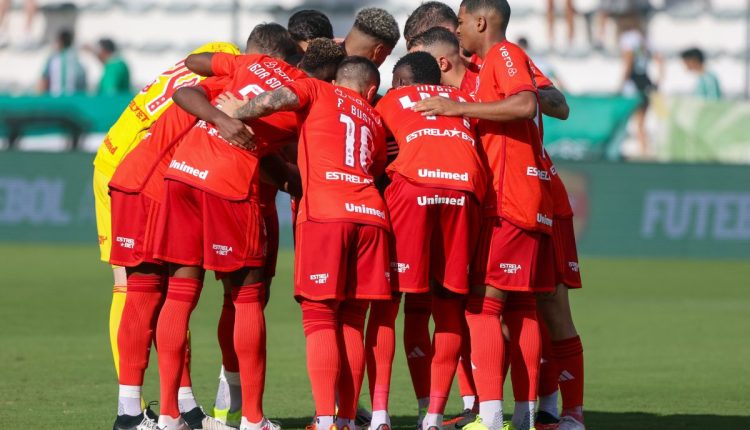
[[572, 265]]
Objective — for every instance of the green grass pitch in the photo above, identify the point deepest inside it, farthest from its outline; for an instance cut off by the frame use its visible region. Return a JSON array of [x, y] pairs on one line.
[[667, 345]]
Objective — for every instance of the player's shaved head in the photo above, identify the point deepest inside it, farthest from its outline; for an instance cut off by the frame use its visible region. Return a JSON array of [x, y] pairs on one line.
[[416, 68], [273, 40], [379, 24], [499, 7], [306, 25], [426, 16], [434, 37], [358, 74], [322, 59]]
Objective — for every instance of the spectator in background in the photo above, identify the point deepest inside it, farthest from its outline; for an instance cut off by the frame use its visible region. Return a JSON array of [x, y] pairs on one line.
[[30, 8], [116, 75], [708, 87], [569, 20], [63, 72], [637, 56], [544, 66]]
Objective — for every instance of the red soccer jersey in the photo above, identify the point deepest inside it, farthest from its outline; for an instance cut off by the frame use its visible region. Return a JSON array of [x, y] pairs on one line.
[[560, 199], [142, 170], [469, 81], [521, 183], [206, 161], [341, 150], [439, 151]]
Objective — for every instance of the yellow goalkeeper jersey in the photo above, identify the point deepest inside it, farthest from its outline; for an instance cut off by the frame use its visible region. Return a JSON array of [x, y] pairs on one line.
[[146, 107]]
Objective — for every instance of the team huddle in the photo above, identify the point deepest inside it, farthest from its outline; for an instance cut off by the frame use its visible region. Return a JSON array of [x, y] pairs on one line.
[[440, 192]]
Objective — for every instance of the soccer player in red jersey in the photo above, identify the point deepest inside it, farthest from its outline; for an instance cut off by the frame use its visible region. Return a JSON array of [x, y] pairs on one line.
[[341, 151], [438, 181], [322, 51], [515, 252], [210, 219]]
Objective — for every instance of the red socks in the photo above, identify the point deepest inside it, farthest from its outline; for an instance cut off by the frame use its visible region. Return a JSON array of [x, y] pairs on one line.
[[568, 355], [448, 314], [525, 345], [351, 317], [319, 322], [225, 333], [466, 384], [136, 332], [380, 347], [171, 338], [487, 345], [417, 342], [250, 346], [548, 374]]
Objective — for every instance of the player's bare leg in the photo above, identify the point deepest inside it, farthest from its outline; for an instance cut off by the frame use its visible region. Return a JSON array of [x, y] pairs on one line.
[[567, 351], [484, 309]]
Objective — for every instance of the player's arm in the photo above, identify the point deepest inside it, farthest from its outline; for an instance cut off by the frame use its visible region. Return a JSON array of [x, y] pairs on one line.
[[194, 101], [200, 63], [282, 99], [280, 173], [553, 103], [517, 107]]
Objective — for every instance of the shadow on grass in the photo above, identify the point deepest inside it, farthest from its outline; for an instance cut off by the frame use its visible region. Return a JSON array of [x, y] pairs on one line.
[[601, 421]]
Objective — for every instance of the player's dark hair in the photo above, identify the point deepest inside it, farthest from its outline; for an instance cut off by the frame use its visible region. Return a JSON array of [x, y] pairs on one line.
[[107, 45], [428, 15], [424, 68], [65, 37], [523, 42], [434, 36], [501, 7], [693, 54], [378, 23], [358, 69], [309, 24], [273, 40], [322, 58]]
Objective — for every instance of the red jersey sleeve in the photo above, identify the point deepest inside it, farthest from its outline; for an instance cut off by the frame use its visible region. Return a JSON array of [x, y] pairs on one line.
[[511, 70], [214, 85], [223, 64], [542, 81], [305, 89]]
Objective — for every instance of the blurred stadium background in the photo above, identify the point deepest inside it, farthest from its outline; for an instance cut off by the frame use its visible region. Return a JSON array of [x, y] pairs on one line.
[[662, 317]]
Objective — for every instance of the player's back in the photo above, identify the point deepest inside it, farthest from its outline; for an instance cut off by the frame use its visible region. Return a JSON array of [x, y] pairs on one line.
[[438, 151], [206, 161], [341, 151]]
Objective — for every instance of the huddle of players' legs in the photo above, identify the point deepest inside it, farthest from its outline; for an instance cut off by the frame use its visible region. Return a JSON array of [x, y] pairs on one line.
[[461, 212]]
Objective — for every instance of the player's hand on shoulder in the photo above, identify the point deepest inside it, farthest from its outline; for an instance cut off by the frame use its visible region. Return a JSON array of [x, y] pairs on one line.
[[438, 106], [229, 104]]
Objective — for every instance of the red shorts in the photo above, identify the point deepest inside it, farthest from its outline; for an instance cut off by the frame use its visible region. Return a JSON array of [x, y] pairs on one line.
[[134, 221], [512, 259], [272, 254], [341, 260], [566, 253], [197, 228], [435, 234]]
